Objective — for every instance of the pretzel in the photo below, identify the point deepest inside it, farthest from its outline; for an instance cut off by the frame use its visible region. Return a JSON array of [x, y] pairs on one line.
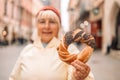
[[76, 35]]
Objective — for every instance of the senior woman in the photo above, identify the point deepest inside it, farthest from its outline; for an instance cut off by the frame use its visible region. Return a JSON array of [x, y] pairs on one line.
[[40, 60]]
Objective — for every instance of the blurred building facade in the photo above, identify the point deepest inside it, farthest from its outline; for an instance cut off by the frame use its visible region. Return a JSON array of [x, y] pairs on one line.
[[17, 18], [104, 19]]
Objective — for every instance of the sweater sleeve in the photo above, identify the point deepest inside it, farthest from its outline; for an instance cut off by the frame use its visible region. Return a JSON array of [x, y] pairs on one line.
[[16, 72], [71, 77]]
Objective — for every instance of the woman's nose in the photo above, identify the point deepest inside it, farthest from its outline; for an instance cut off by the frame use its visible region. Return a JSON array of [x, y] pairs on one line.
[[47, 25]]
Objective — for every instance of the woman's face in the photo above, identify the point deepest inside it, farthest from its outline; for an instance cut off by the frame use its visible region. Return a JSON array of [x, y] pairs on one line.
[[47, 28]]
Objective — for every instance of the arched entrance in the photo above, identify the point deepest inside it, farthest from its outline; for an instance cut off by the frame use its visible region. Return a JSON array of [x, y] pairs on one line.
[[116, 40]]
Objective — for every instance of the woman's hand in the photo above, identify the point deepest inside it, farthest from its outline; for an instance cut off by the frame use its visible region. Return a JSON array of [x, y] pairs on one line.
[[81, 70]]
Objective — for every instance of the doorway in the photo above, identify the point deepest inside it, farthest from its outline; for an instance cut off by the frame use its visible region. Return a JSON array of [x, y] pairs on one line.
[[96, 31], [116, 40]]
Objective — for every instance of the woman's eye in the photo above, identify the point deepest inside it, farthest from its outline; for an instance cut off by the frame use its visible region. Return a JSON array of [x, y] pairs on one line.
[[52, 21], [41, 21]]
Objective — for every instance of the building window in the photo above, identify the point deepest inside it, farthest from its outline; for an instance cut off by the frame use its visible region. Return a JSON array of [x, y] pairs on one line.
[[5, 7], [12, 10]]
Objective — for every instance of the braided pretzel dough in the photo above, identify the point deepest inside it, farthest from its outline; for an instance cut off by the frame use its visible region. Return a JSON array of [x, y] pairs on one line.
[[76, 36]]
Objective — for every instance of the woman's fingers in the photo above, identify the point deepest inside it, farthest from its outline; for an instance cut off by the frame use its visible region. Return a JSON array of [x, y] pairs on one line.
[[81, 69]]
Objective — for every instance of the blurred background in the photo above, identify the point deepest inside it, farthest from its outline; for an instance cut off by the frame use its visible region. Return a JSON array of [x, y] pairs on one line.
[[101, 18]]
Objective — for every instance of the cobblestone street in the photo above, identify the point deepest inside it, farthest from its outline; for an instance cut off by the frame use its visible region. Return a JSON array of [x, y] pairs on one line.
[[8, 57], [104, 67]]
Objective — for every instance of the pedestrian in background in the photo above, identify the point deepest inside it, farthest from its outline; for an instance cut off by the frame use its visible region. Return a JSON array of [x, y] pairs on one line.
[[40, 60]]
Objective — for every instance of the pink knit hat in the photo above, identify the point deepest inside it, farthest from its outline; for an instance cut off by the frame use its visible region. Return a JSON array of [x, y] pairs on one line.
[[50, 8]]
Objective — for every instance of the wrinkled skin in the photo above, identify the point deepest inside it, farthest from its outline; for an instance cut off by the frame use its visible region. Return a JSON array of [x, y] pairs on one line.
[[81, 70]]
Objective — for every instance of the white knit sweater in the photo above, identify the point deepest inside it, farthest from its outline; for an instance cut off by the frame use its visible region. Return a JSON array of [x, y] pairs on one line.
[[39, 63]]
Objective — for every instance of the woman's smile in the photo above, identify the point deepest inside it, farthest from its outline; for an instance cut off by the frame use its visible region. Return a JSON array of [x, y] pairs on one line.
[[46, 33]]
